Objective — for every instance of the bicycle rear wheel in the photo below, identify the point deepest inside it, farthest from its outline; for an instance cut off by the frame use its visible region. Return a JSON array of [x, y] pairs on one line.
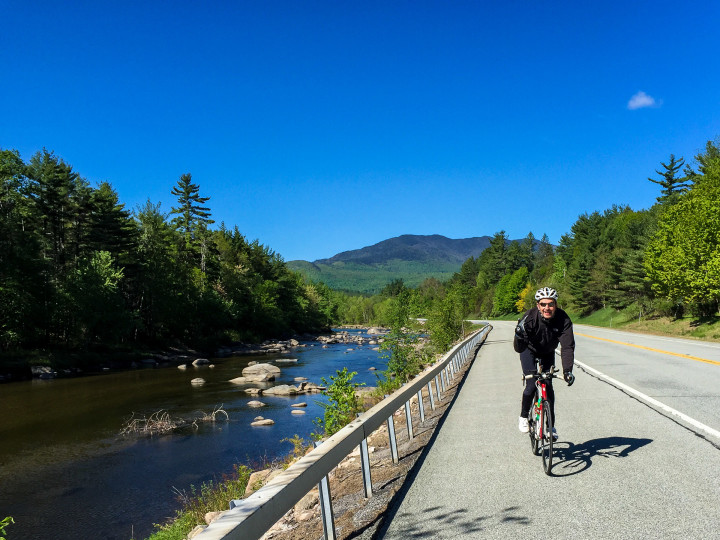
[[546, 442]]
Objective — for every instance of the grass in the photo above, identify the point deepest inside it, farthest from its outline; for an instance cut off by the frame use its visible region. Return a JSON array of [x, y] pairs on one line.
[[196, 502], [704, 328], [215, 496]]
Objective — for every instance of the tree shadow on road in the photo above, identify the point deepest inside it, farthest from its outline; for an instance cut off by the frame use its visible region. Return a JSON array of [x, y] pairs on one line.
[[443, 522], [573, 458]]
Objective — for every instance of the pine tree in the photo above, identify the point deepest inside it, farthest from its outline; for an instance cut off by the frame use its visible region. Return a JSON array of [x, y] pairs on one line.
[[193, 218], [671, 185]]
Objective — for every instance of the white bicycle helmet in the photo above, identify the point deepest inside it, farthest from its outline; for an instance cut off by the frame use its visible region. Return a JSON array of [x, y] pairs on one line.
[[546, 292]]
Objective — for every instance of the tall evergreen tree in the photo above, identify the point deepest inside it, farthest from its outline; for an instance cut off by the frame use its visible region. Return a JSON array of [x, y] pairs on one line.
[[192, 217], [670, 183], [112, 227], [53, 191]]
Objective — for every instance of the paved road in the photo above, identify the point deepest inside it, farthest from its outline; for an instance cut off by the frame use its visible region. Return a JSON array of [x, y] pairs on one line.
[[623, 469]]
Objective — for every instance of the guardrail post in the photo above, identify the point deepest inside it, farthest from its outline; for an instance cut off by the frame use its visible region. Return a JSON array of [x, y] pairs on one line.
[[365, 466], [432, 400], [442, 379], [437, 388], [365, 463], [408, 418], [421, 406], [326, 511], [393, 440]]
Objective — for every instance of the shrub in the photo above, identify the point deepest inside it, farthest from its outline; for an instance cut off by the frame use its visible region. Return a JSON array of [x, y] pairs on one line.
[[342, 403]]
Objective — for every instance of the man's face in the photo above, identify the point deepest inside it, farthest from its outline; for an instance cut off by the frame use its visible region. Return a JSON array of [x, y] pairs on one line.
[[547, 308]]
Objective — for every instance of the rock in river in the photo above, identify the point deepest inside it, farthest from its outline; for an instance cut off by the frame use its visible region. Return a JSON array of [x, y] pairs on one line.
[[264, 422], [260, 369], [253, 377], [281, 390]]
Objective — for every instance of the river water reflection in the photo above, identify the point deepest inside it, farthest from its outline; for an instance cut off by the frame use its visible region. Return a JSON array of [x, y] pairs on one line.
[[66, 473]]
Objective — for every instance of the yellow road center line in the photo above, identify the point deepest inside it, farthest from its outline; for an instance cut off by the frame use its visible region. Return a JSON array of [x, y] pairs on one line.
[[696, 358]]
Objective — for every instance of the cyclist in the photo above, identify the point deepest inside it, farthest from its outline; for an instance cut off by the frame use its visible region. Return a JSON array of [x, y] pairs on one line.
[[537, 335]]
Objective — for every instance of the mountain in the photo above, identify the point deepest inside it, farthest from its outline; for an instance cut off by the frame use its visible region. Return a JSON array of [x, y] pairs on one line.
[[413, 258]]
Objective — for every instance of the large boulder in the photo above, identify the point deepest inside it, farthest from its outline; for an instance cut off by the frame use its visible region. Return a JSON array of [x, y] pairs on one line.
[[198, 382], [263, 422], [311, 388], [253, 378], [43, 372], [201, 362], [260, 369], [259, 478], [255, 403], [281, 390]]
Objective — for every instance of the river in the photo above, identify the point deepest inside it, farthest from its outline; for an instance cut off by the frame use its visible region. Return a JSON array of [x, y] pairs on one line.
[[65, 472]]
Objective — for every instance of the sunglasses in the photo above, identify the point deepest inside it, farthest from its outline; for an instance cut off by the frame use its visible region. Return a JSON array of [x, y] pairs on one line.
[[546, 304]]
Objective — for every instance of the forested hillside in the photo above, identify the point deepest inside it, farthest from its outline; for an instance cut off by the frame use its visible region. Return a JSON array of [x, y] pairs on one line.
[[662, 261], [79, 272], [412, 258]]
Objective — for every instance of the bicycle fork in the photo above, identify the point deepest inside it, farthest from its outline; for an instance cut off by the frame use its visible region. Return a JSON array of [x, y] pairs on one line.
[[541, 397]]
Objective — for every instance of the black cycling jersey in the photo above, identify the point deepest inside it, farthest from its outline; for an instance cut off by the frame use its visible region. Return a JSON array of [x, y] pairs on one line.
[[544, 335]]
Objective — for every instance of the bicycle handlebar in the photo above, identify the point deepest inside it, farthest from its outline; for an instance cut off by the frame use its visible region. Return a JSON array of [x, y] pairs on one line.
[[543, 374]]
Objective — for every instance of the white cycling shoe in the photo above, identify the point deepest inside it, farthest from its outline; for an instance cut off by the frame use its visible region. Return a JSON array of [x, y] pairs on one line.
[[523, 424]]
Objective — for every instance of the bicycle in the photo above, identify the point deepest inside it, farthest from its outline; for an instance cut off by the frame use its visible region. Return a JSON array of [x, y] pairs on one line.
[[540, 421]]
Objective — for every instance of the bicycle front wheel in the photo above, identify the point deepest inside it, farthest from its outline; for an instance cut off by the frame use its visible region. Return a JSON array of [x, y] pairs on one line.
[[546, 441]]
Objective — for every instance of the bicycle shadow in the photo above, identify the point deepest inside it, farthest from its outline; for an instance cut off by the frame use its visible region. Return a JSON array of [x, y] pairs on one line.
[[576, 458]]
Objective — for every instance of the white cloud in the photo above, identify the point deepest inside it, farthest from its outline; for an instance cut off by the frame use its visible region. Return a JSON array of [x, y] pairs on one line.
[[641, 100]]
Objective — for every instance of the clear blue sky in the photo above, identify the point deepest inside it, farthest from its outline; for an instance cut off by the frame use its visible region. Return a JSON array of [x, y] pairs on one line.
[[318, 127]]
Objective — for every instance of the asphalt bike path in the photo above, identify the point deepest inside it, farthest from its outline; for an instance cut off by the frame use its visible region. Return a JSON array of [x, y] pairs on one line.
[[621, 468]]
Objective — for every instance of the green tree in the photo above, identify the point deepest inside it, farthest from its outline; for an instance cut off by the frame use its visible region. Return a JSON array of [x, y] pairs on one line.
[[162, 277], [672, 186], [343, 403], [683, 257], [445, 322], [508, 291], [394, 288], [192, 217], [98, 314], [21, 265], [397, 348]]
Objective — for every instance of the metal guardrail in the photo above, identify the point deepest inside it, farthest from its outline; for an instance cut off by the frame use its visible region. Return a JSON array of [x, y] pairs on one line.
[[251, 517]]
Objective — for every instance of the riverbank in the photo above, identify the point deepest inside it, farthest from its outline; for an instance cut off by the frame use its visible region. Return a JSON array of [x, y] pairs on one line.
[[25, 365]]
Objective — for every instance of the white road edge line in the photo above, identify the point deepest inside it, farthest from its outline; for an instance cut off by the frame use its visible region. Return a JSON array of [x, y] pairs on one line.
[[651, 401]]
